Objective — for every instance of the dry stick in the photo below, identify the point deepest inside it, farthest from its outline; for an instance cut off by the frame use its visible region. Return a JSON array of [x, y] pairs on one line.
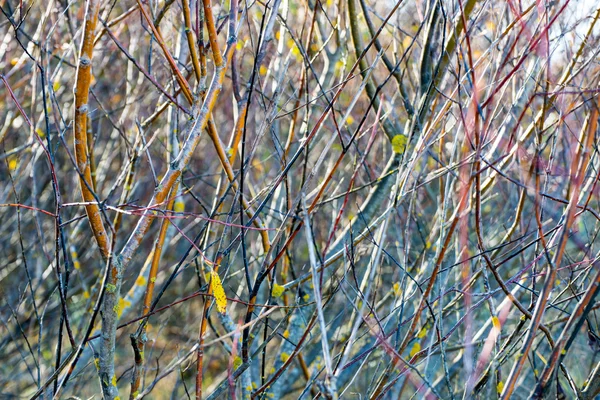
[[592, 387], [82, 86], [389, 128], [138, 340], [190, 39], [185, 87], [578, 168], [257, 222], [373, 200], [212, 32], [318, 298], [113, 22], [126, 191], [245, 101], [172, 99], [227, 165], [565, 340], [388, 63]]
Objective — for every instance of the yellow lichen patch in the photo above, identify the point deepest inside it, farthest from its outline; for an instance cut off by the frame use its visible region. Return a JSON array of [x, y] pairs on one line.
[[286, 334], [278, 290], [258, 165], [422, 333], [284, 357], [86, 295], [219, 292], [399, 143], [56, 86], [76, 264], [47, 354], [295, 50], [122, 305], [114, 380], [415, 349], [396, 289], [40, 133], [496, 323], [263, 70], [237, 361], [12, 164], [500, 387], [140, 281], [179, 206]]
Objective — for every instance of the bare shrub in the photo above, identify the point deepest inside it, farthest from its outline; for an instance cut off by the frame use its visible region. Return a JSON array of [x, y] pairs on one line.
[[291, 199]]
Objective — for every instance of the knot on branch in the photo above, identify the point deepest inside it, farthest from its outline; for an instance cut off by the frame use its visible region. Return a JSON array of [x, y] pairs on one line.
[[85, 60]]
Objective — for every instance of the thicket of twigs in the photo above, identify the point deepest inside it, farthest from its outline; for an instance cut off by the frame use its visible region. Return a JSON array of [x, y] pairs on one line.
[[299, 199]]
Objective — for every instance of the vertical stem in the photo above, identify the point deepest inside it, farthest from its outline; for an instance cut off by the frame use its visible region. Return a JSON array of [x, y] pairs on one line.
[[138, 340], [82, 87], [190, 39]]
